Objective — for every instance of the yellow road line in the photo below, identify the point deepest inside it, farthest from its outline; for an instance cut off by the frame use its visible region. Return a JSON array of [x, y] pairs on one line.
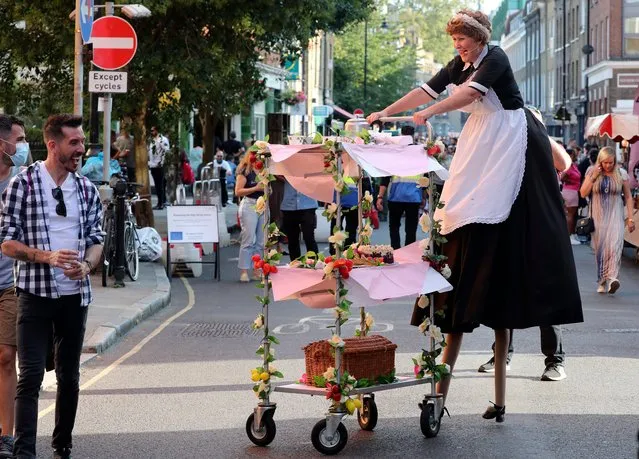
[[136, 349]]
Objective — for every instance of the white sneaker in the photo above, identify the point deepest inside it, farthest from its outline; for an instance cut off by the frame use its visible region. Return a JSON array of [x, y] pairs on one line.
[[601, 288], [614, 286], [574, 240], [244, 277]]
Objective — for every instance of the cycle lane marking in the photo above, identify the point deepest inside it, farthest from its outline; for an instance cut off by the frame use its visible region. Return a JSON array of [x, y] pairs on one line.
[[137, 348]]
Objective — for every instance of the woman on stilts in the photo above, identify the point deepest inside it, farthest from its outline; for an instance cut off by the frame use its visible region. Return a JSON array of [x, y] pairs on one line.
[[508, 249]]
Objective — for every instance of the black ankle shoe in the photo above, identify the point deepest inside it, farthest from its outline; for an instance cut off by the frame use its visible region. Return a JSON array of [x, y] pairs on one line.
[[62, 453], [495, 412]]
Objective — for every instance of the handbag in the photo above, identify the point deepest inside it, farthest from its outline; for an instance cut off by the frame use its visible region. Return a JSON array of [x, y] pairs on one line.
[[585, 225]]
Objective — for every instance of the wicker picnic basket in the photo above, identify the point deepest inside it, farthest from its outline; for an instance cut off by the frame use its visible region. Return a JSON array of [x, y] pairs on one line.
[[364, 357]]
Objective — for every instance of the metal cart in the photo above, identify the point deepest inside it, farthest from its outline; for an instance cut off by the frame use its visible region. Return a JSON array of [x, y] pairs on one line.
[[329, 436]]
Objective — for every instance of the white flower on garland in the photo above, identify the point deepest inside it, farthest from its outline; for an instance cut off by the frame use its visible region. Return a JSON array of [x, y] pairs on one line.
[[424, 325], [368, 196], [260, 205], [446, 272], [436, 333], [367, 231], [329, 373], [336, 341], [339, 185], [320, 264], [420, 359], [424, 222], [258, 322], [338, 238], [328, 269], [423, 301], [272, 253], [423, 182], [331, 210], [261, 144], [263, 387], [369, 320]]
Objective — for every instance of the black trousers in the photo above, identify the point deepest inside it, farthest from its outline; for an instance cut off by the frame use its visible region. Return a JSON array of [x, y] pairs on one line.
[[351, 228], [158, 178], [292, 221], [551, 345], [224, 193], [395, 212], [36, 317]]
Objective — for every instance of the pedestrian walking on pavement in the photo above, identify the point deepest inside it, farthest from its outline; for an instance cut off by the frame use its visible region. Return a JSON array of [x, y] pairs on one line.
[[604, 183], [571, 180], [158, 149], [551, 347], [125, 145], [50, 223], [298, 212], [14, 150], [248, 190], [224, 170], [507, 248]]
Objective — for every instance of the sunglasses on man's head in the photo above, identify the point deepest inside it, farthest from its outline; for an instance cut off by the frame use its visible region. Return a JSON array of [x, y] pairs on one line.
[[60, 208]]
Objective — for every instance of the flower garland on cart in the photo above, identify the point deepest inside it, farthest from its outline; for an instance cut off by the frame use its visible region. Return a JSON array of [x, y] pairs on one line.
[[338, 391]]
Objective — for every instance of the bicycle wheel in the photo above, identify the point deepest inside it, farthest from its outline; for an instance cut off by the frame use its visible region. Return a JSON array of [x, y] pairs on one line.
[[132, 258], [106, 249]]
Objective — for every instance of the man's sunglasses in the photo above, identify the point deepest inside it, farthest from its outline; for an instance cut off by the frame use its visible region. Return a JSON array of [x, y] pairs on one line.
[[60, 208]]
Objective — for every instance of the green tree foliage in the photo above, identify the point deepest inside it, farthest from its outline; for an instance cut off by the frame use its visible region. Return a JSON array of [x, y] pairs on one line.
[[191, 54], [411, 26], [390, 67], [428, 18]]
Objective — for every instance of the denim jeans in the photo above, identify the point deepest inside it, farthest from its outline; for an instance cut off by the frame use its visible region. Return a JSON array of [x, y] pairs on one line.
[[252, 236], [37, 318]]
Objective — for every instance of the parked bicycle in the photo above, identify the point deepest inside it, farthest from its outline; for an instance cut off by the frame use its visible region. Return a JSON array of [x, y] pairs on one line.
[[131, 239]]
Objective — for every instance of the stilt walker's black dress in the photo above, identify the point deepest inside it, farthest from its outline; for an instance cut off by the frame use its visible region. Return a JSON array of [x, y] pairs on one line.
[[508, 248]]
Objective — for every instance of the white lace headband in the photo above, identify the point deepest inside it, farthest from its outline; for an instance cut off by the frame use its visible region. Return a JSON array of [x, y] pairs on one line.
[[474, 23]]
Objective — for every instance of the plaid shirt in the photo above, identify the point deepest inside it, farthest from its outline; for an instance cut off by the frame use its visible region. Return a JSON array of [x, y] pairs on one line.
[[24, 217]]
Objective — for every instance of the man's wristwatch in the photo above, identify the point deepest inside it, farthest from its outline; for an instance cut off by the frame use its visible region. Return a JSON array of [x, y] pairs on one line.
[[89, 265]]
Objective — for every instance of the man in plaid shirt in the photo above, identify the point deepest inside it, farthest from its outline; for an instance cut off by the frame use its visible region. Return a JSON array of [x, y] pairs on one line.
[[50, 224]]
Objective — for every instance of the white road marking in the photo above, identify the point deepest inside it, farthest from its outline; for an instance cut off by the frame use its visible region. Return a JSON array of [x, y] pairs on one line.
[[136, 349]]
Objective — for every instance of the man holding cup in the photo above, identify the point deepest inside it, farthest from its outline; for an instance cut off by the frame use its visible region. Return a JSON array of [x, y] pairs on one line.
[[50, 224]]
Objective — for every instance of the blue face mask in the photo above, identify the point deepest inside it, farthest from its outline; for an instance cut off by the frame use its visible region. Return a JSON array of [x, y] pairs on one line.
[[21, 154]]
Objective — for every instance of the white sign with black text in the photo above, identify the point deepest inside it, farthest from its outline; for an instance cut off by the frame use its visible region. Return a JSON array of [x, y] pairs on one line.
[[192, 224], [107, 82]]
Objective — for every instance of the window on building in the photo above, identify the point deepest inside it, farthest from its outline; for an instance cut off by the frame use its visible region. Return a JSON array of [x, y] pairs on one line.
[[631, 28], [608, 35]]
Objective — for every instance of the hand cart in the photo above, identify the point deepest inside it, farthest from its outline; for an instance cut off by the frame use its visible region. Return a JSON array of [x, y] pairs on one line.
[[329, 436]]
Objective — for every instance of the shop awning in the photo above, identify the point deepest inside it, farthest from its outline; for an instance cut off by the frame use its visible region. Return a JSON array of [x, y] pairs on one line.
[[616, 126]]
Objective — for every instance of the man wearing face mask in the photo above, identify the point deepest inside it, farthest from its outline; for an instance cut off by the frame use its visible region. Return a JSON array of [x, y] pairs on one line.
[[14, 151]]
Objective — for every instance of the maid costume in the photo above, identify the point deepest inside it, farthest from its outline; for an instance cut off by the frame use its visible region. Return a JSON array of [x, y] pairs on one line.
[[508, 247]]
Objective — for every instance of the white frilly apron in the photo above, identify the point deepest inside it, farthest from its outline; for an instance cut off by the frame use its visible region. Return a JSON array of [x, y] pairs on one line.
[[488, 166]]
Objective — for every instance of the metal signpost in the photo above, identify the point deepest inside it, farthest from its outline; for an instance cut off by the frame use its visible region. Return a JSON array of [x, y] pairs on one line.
[[114, 45]]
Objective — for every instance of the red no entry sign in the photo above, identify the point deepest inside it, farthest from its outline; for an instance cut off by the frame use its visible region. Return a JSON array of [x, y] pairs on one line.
[[114, 42]]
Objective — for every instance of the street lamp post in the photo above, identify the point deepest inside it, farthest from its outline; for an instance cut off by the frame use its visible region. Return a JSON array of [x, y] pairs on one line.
[[365, 102]]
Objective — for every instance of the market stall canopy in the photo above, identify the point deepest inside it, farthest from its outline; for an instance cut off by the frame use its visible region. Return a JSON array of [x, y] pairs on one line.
[[616, 126]]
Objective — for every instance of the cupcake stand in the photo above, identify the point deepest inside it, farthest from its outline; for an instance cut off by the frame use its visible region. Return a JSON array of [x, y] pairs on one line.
[[408, 277]]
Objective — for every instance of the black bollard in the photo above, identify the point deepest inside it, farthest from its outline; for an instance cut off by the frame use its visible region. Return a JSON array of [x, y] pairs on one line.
[[120, 196]]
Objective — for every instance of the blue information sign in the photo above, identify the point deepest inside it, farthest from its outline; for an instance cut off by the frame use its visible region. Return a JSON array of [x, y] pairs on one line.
[[86, 19]]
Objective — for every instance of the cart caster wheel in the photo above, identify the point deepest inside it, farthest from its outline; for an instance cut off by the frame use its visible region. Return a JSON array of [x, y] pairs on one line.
[[264, 436], [429, 423], [367, 415], [325, 445]]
